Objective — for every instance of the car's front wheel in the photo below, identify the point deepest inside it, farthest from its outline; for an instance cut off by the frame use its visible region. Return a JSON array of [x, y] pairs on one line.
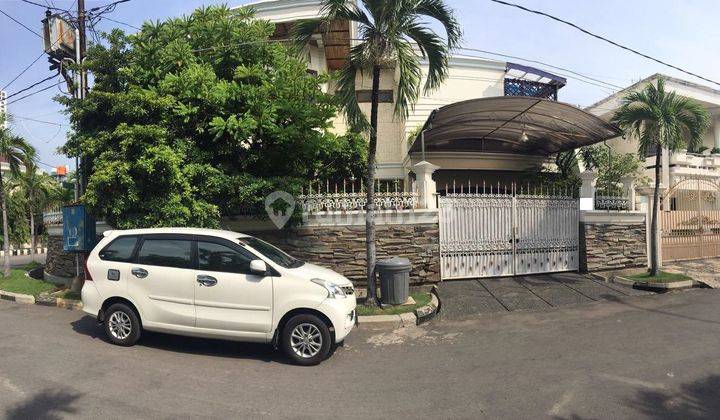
[[122, 324], [306, 339]]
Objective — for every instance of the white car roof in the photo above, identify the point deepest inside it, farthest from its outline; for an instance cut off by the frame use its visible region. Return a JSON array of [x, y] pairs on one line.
[[228, 234]]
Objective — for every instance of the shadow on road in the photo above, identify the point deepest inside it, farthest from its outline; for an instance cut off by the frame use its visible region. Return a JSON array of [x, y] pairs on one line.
[[691, 401], [695, 400], [190, 345], [48, 404]]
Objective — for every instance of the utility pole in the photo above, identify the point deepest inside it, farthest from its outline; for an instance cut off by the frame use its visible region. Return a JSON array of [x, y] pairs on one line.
[[83, 170]]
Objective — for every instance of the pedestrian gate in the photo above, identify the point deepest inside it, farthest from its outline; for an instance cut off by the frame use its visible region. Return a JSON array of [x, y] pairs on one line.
[[690, 219], [507, 232]]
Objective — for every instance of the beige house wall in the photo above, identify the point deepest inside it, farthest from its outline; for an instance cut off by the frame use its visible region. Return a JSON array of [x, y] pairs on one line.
[[708, 97]]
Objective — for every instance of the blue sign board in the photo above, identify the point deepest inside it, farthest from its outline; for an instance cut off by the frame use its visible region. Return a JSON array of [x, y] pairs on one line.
[[79, 234]]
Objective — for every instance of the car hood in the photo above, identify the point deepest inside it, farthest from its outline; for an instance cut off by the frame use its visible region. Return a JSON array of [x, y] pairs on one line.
[[315, 271]]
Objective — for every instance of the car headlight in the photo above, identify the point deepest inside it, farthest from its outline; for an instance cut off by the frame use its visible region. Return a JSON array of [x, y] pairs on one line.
[[334, 291]]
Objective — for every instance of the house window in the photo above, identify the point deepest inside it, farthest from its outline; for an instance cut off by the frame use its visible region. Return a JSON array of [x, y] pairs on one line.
[[384, 96]]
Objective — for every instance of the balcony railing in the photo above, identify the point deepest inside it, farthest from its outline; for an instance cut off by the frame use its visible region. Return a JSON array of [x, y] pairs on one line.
[[52, 217]]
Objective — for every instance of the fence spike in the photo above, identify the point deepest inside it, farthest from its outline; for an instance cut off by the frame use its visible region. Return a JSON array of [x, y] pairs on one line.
[[453, 185]]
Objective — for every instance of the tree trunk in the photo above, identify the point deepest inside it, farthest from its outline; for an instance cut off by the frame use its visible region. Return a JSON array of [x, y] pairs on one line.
[[32, 236], [370, 191], [654, 260], [6, 235]]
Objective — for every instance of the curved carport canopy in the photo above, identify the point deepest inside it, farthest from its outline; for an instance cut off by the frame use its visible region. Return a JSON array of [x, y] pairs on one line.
[[511, 124]]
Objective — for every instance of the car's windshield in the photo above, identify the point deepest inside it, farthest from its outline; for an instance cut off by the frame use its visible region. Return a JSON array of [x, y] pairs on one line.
[[276, 255]]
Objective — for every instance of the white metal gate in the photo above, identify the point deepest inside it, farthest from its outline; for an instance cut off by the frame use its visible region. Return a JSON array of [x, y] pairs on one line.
[[507, 233]]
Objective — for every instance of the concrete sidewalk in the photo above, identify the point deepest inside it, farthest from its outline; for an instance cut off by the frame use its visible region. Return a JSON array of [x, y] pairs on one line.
[[462, 299], [706, 270]]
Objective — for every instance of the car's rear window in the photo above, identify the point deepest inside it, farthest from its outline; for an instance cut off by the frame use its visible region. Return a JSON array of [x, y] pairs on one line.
[[121, 249]]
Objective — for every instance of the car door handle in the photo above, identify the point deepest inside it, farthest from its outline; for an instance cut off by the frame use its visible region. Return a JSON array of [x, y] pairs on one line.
[[140, 273], [206, 280]]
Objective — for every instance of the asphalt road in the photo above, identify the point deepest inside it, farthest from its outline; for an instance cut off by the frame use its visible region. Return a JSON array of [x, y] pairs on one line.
[[636, 357]]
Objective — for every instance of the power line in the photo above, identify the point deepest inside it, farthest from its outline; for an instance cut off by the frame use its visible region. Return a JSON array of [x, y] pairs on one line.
[[108, 7], [44, 6], [40, 121], [542, 63], [24, 70], [121, 23], [34, 93], [21, 24], [31, 86], [537, 12]]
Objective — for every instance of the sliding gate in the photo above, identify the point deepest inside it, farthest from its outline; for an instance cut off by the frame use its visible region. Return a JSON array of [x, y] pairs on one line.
[[506, 232]]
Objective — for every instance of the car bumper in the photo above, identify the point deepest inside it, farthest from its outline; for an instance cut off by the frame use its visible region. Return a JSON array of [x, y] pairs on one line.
[[91, 299], [341, 312]]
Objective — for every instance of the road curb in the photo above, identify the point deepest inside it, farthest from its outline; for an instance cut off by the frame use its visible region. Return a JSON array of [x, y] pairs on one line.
[[41, 300], [417, 317], [685, 284]]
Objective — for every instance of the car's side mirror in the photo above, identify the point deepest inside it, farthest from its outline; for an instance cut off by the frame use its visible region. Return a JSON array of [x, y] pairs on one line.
[[258, 267]]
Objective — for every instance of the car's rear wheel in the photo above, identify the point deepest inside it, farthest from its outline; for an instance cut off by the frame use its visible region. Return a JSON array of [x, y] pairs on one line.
[[122, 325], [306, 339]]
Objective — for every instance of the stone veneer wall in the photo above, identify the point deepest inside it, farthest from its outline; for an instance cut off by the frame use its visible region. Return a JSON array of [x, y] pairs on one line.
[[59, 264], [612, 246], [342, 248]]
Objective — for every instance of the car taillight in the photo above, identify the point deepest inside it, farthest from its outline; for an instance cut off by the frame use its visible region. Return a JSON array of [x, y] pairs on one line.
[[88, 277]]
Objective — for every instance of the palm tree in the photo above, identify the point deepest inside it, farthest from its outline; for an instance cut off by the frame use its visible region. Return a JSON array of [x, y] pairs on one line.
[[15, 152], [392, 35], [38, 188], [660, 120]]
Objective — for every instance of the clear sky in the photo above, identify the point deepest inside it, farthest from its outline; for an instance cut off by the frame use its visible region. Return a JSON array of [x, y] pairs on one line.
[[685, 33]]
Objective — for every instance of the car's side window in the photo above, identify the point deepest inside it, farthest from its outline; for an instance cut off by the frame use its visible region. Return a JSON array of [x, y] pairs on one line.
[[217, 257], [121, 249], [166, 252]]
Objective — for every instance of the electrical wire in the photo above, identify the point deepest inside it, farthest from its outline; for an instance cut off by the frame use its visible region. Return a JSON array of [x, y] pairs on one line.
[[31, 86], [44, 6], [40, 121], [21, 24], [602, 38], [514, 57], [34, 93], [121, 23], [24, 70]]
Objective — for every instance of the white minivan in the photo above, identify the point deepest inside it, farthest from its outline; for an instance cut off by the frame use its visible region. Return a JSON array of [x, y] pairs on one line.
[[216, 284]]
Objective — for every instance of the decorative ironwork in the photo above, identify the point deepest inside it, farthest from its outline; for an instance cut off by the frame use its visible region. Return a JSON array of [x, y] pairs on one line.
[[520, 87], [52, 217], [690, 218], [344, 197]]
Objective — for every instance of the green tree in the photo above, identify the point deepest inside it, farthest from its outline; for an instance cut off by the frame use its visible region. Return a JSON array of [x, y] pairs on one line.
[[611, 166], [660, 119], [202, 116], [39, 190], [392, 34], [16, 152]]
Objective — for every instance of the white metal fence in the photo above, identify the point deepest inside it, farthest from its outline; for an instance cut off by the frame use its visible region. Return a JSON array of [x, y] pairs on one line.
[[351, 196], [508, 231]]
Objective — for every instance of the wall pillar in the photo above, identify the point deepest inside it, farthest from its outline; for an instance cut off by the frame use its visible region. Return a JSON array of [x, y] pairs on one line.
[[629, 186], [426, 186], [587, 190]]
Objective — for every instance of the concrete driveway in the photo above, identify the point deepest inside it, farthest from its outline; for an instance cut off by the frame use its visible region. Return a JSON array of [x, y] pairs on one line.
[[630, 357], [463, 299]]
